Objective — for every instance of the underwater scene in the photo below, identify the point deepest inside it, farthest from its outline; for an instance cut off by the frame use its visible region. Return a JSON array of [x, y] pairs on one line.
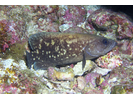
[[66, 49]]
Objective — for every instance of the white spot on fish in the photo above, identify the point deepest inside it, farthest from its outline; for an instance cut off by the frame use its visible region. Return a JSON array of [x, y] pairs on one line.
[[68, 45], [41, 40], [35, 47], [64, 51], [40, 46], [70, 48], [47, 52], [52, 42], [67, 57], [73, 54], [71, 41], [61, 53], [47, 44], [49, 56], [37, 51], [56, 48]]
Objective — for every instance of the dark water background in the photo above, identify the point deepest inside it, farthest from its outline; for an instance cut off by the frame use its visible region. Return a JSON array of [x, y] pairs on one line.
[[127, 9]]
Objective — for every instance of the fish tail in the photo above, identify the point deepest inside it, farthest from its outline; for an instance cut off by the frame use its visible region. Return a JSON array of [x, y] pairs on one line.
[[29, 59]]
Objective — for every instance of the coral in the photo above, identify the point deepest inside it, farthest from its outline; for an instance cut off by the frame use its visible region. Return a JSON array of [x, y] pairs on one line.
[[47, 26], [91, 90], [109, 21], [17, 79], [10, 82], [122, 89], [44, 19], [124, 50], [110, 73], [4, 42], [76, 14], [121, 75], [71, 16], [13, 28], [44, 9], [102, 71], [88, 67], [100, 18], [16, 52], [75, 30], [8, 34], [65, 74], [91, 77], [109, 61], [81, 83]]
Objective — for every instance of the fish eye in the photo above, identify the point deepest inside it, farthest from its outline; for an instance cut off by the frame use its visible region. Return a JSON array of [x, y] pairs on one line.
[[105, 41]]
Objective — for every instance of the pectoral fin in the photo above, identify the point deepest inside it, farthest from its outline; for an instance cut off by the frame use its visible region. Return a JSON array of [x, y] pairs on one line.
[[29, 59], [84, 60]]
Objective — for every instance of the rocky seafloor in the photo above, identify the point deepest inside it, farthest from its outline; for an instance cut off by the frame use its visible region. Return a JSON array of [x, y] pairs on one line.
[[108, 74]]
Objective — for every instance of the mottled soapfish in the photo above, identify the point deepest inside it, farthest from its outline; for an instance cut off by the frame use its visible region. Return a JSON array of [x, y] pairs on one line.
[[52, 49]]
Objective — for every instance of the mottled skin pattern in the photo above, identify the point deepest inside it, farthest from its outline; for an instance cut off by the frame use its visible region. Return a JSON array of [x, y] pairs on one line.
[[51, 49]]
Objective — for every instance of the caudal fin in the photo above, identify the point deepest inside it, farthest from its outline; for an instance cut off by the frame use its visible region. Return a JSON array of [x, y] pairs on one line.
[[29, 60]]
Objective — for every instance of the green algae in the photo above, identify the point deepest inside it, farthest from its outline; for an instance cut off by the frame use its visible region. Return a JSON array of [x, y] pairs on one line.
[[118, 90], [16, 51]]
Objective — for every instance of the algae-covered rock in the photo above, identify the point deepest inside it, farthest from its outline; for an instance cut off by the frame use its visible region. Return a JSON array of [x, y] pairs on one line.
[[58, 74], [119, 89], [88, 67]]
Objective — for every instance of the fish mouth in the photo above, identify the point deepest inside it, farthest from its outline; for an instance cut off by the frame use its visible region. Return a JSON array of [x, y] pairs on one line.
[[111, 46]]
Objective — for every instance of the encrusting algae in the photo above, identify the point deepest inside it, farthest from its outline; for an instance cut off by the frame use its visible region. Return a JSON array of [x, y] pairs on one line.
[[16, 52]]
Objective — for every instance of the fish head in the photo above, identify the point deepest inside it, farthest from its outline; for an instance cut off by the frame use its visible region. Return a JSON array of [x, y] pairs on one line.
[[99, 46]]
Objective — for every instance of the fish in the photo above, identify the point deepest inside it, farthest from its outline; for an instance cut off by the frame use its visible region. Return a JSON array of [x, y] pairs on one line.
[[49, 49]]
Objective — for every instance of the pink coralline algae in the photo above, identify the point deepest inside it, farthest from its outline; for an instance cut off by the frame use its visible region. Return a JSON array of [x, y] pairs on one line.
[[122, 75], [124, 50], [111, 29], [91, 77], [44, 9], [7, 30], [12, 31], [47, 26], [73, 15], [75, 30], [45, 18], [13, 83], [105, 19], [109, 61], [76, 14], [122, 89]]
